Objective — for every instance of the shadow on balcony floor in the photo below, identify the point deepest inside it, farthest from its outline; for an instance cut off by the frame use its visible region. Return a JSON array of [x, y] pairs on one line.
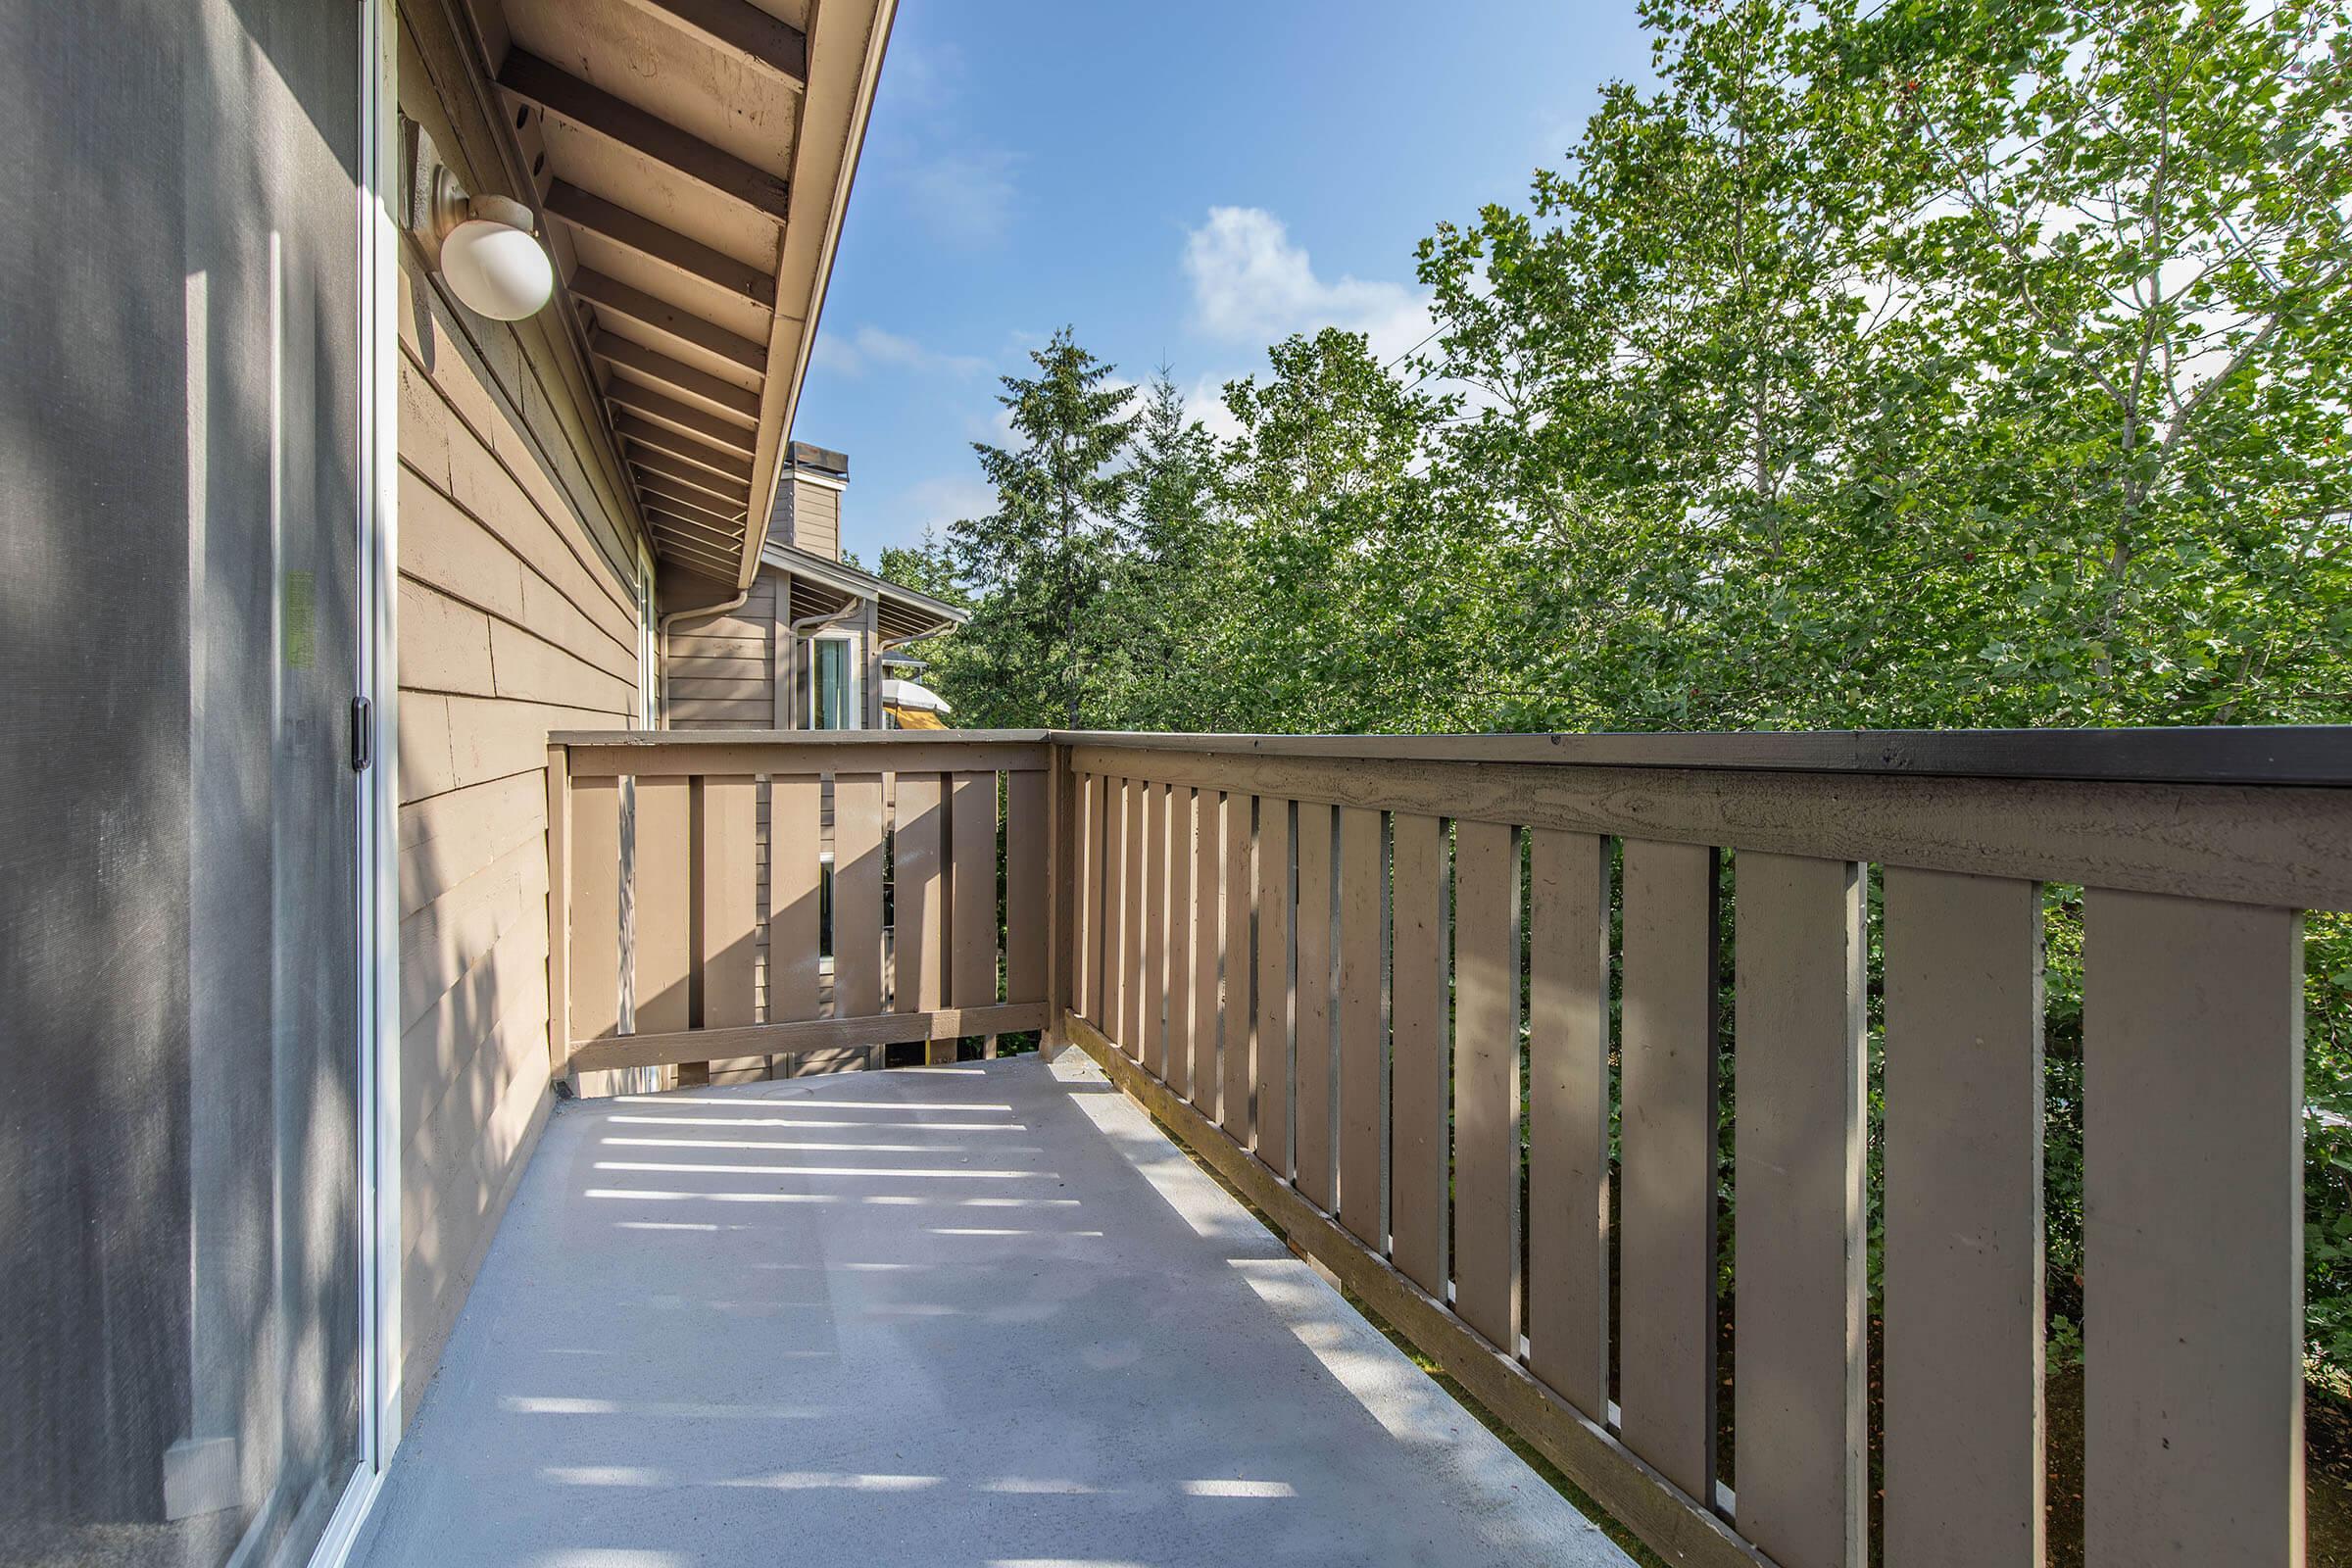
[[983, 1314]]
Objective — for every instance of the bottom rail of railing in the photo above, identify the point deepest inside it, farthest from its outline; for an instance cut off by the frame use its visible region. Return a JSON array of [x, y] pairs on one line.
[[797, 1038]]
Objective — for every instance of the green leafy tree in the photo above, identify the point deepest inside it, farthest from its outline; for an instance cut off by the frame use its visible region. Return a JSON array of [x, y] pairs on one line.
[[2134, 235], [927, 568], [1924, 363], [1341, 559]]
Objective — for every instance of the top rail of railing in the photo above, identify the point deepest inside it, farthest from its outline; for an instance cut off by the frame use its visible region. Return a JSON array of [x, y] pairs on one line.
[[2314, 754], [2298, 754]]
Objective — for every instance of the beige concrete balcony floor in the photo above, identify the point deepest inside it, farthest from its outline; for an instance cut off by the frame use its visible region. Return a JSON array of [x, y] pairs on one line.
[[983, 1314]]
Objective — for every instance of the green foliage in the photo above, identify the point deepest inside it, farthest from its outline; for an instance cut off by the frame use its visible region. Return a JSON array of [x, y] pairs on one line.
[[1047, 554], [1931, 364]]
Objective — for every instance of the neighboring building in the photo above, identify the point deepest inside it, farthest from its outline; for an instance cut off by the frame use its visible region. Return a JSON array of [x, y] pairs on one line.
[[805, 647], [802, 649]]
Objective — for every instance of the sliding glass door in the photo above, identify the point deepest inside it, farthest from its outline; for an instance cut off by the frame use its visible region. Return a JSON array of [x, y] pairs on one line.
[[188, 1373]]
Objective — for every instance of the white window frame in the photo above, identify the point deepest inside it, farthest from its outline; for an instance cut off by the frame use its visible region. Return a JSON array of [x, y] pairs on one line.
[[852, 641], [648, 644]]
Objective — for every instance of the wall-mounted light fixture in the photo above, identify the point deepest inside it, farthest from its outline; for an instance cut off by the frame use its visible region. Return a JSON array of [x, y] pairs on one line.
[[489, 254]]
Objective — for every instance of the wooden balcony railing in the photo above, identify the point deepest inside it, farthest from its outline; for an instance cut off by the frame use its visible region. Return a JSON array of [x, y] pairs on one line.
[[1428, 1000], [691, 927]]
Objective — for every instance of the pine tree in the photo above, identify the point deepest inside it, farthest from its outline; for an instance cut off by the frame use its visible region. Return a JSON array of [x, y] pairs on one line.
[[1043, 560], [1170, 584]]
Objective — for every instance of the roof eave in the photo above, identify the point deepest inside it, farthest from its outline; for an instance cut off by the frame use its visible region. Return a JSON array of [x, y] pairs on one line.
[[803, 275], [862, 583]]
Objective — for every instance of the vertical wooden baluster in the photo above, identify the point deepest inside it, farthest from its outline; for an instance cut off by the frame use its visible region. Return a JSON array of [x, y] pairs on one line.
[[919, 914], [1208, 865], [1486, 1081], [1315, 1105], [795, 889], [595, 957], [1135, 935], [1963, 1360], [1666, 1352], [1152, 1046], [2192, 1232], [1237, 1002], [1362, 1029], [664, 902], [858, 900], [762, 894], [971, 893], [1087, 856], [1273, 1064], [1800, 1245], [1179, 1048], [1568, 1112], [1111, 986], [1026, 890], [730, 895], [1060, 901], [1421, 1065]]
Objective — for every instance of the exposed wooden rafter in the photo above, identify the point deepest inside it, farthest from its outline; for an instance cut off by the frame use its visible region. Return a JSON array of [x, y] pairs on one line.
[[672, 549], [699, 386], [661, 143], [686, 527], [661, 438], [579, 103], [714, 537], [717, 548], [682, 256], [674, 496], [728, 491], [671, 321], [666, 410], [719, 538], [740, 31]]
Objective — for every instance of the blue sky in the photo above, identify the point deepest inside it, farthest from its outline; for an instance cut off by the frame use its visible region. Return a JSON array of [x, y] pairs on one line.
[[1182, 184]]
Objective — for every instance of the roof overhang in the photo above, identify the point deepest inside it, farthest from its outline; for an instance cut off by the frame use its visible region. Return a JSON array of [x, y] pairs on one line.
[[901, 613], [690, 162]]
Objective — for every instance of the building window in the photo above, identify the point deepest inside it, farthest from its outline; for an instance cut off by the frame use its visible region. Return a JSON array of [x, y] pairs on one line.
[[832, 687], [649, 646]]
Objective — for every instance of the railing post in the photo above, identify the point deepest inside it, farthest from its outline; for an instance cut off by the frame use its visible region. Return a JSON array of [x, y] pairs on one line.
[[1061, 880], [558, 911]]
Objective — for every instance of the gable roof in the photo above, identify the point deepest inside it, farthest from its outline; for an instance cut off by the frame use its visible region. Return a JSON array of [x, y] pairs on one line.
[[900, 612]]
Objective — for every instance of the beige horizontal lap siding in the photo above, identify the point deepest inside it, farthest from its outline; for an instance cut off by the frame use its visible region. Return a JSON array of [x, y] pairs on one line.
[[817, 518], [720, 673], [516, 616]]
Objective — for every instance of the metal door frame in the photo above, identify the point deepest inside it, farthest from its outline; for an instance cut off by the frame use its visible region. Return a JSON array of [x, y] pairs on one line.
[[377, 825]]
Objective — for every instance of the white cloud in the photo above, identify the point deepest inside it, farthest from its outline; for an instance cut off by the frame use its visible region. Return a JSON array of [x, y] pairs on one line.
[[949, 496], [1204, 401], [1251, 284], [950, 179], [871, 348], [885, 517], [966, 196], [924, 78], [992, 425]]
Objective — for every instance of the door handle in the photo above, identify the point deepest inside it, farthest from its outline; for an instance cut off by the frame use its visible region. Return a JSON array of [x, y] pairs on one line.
[[363, 734]]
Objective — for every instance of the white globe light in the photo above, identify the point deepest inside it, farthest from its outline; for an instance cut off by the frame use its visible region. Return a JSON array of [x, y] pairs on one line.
[[496, 269]]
